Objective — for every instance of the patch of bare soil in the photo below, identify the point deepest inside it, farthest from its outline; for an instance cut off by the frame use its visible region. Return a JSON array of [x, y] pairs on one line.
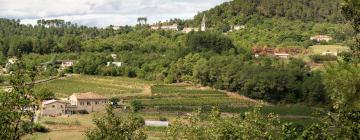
[[147, 90]]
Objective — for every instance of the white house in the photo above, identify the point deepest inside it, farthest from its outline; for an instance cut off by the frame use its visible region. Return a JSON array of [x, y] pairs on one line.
[[117, 64], [67, 63], [155, 27], [319, 38], [173, 27]]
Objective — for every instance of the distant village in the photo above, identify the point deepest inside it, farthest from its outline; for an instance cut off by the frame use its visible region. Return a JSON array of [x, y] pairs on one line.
[[257, 51]]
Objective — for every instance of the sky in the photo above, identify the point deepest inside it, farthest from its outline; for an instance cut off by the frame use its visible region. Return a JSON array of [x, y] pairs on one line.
[[102, 13]]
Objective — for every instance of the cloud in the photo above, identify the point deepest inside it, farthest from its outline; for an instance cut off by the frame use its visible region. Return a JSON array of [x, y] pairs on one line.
[[103, 12]]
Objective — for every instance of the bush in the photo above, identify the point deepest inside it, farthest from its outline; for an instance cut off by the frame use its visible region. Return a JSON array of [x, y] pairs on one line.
[[163, 119], [44, 94], [136, 105], [40, 128], [83, 112], [322, 58]]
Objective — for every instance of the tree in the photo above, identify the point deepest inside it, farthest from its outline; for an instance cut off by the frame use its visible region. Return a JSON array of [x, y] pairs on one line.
[[44, 94], [250, 125], [209, 41], [351, 11], [136, 105], [342, 82], [115, 127], [17, 106]]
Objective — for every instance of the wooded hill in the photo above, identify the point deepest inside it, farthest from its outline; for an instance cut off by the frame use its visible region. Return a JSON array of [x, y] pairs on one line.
[[240, 11]]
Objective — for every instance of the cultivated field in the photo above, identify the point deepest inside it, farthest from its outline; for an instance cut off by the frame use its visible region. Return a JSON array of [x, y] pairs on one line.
[[109, 86], [319, 49], [159, 100]]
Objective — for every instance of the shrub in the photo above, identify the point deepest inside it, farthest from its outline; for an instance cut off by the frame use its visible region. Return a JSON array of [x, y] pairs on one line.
[[40, 128], [83, 112], [163, 119], [322, 58], [136, 105]]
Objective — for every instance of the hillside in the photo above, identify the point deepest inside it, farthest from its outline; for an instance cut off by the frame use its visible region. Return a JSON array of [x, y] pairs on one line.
[[240, 11]]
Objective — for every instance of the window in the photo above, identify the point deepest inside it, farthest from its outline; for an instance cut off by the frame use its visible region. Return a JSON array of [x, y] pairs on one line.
[[81, 103], [61, 106], [88, 103], [96, 102], [53, 106]]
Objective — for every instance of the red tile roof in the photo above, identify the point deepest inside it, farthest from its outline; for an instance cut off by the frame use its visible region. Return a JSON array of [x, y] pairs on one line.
[[89, 96]]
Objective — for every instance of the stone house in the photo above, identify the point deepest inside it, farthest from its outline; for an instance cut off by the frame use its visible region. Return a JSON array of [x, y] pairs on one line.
[[89, 102], [53, 108]]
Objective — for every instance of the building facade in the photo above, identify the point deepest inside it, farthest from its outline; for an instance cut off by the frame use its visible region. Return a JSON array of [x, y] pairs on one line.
[[53, 108], [89, 102]]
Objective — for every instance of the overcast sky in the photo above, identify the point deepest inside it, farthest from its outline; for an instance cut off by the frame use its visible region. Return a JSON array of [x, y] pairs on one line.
[[103, 12]]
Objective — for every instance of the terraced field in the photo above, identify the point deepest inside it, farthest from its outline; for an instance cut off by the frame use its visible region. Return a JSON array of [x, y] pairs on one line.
[[109, 86], [159, 100]]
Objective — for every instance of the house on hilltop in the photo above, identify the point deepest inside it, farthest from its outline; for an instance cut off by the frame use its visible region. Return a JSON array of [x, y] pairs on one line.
[[89, 102], [173, 27], [67, 63]]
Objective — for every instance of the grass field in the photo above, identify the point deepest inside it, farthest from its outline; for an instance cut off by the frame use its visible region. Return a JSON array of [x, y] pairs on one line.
[[319, 49], [165, 101], [109, 86]]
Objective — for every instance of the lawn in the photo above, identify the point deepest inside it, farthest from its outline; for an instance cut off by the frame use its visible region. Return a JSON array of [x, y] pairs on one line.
[[109, 86], [319, 49]]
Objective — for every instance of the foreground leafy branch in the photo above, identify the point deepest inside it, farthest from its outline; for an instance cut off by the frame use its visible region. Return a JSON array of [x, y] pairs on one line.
[[115, 127], [18, 104]]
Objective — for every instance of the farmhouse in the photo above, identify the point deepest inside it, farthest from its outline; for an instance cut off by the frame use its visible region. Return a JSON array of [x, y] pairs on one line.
[[53, 108], [89, 102], [320, 38]]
